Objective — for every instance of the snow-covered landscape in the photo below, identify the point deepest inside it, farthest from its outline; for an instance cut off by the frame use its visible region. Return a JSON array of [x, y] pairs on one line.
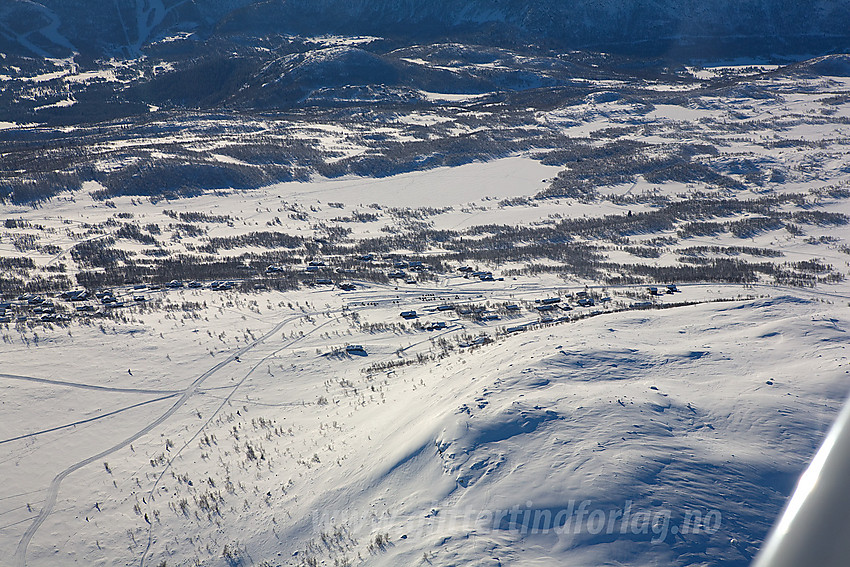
[[345, 294], [252, 430]]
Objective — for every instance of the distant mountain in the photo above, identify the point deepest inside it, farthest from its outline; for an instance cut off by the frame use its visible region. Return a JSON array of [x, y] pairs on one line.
[[703, 28]]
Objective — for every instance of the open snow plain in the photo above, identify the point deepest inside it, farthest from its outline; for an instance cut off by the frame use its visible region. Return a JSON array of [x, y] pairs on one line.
[[281, 419]]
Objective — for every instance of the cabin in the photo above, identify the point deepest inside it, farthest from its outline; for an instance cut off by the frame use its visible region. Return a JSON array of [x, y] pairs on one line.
[[410, 281], [512, 307], [355, 349], [139, 298], [273, 269], [396, 274], [196, 284], [436, 326], [409, 315], [366, 257], [174, 284], [586, 302], [445, 307], [400, 264], [324, 281], [548, 300], [489, 317], [652, 290], [672, 288], [315, 263], [68, 295], [347, 286], [515, 329], [548, 307]]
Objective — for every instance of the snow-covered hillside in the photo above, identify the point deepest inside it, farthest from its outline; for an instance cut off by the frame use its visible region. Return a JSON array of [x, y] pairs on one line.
[[243, 433]]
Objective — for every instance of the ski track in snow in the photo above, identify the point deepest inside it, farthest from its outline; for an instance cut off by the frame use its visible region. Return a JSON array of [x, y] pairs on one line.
[[19, 559], [209, 420], [86, 386], [89, 420]]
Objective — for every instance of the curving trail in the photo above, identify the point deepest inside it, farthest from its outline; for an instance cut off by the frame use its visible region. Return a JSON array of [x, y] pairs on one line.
[[19, 559], [224, 402]]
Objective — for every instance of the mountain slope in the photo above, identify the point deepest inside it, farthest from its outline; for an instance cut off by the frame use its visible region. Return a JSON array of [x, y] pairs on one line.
[[706, 27]]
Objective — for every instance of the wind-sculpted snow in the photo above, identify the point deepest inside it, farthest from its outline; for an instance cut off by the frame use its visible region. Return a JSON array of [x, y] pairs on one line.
[[683, 458]]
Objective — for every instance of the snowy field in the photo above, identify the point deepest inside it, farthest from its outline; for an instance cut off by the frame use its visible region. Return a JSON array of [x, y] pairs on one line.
[[243, 432], [311, 425]]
